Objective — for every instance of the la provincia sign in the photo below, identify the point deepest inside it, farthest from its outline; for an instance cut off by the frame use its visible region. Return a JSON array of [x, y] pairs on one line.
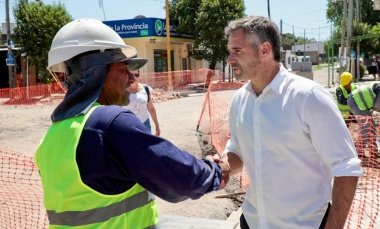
[[143, 27]]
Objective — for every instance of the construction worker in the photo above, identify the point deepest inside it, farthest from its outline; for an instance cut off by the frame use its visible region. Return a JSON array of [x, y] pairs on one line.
[[362, 102], [341, 94], [100, 166]]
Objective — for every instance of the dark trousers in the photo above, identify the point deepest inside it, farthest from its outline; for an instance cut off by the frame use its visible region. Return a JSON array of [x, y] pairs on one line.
[[244, 224]]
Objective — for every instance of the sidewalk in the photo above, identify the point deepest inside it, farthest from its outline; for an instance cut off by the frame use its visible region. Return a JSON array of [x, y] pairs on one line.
[[321, 76], [175, 222]]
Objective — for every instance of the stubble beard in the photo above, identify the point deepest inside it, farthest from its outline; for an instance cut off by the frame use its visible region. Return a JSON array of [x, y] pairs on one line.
[[250, 72], [114, 98]]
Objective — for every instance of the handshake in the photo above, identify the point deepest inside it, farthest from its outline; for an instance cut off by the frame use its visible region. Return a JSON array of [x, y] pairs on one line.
[[224, 165]]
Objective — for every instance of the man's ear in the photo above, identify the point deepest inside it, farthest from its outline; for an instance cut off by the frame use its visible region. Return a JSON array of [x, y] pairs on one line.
[[266, 49]]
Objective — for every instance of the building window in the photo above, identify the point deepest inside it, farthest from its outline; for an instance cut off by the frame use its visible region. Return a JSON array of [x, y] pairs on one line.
[[161, 60]]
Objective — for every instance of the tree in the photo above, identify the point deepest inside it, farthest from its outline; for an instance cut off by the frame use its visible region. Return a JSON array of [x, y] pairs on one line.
[[184, 13], [334, 12], [368, 46], [291, 40], [367, 30], [36, 26], [206, 20]]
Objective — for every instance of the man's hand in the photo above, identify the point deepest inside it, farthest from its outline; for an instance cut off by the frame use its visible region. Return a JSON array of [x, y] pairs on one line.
[[225, 169], [231, 165]]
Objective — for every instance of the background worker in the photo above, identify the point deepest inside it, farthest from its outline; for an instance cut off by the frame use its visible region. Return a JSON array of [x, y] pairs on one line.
[[362, 102], [100, 166], [288, 132], [341, 94], [141, 104]]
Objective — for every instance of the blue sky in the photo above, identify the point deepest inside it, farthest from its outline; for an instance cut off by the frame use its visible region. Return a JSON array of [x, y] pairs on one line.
[[300, 15]]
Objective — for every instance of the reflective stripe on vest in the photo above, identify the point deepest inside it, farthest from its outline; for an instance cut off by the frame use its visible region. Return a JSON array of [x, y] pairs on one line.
[[70, 202], [364, 97], [345, 109]]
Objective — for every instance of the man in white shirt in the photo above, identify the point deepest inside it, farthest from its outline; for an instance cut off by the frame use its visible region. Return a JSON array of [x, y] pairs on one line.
[[288, 132]]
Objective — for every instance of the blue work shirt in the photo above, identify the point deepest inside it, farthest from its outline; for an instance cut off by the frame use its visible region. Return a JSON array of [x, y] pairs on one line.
[[116, 151]]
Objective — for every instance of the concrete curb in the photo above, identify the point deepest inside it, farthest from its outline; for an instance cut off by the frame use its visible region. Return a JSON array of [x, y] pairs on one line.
[[175, 222]]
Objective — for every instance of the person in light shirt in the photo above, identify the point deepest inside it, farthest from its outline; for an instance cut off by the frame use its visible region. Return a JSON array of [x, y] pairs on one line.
[[141, 104], [289, 134]]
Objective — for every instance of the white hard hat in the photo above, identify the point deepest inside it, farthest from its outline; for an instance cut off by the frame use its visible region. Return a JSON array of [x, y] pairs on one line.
[[81, 36]]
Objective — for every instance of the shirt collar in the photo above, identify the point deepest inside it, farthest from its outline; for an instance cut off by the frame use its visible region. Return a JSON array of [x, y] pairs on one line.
[[276, 85], [278, 82]]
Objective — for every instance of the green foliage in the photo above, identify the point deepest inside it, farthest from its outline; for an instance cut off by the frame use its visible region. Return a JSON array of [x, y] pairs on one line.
[[291, 40], [184, 13], [37, 25], [370, 46], [368, 27], [367, 14], [206, 20], [334, 12], [374, 43]]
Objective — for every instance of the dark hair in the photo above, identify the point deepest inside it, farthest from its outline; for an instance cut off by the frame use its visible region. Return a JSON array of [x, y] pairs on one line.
[[259, 30]]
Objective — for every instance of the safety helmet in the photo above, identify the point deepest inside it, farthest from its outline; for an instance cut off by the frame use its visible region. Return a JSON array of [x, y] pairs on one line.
[[345, 78], [83, 35]]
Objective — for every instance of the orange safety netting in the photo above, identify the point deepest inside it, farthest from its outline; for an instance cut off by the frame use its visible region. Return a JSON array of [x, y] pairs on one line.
[[30, 94], [214, 131], [21, 194], [181, 80]]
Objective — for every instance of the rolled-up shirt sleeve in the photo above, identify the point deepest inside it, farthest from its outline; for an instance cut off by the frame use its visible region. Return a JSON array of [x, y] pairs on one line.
[[329, 134]]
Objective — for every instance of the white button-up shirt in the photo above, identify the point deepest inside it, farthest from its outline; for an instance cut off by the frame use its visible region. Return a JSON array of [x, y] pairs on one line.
[[293, 141]]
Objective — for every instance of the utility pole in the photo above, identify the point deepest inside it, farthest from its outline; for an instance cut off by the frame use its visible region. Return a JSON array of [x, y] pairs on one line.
[[102, 6], [304, 45], [342, 43], [268, 2], [283, 38], [349, 30], [294, 40], [319, 39], [168, 49], [357, 16], [12, 83]]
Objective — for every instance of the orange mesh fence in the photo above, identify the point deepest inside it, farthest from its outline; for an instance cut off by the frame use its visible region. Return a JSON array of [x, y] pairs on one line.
[[21, 194], [213, 127], [365, 210], [181, 80], [30, 94]]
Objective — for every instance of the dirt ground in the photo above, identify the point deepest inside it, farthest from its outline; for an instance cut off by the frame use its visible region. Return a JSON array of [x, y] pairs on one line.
[[22, 128]]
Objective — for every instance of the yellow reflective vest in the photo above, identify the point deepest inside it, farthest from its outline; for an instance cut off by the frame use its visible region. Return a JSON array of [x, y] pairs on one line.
[[72, 204], [364, 97], [344, 108]]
